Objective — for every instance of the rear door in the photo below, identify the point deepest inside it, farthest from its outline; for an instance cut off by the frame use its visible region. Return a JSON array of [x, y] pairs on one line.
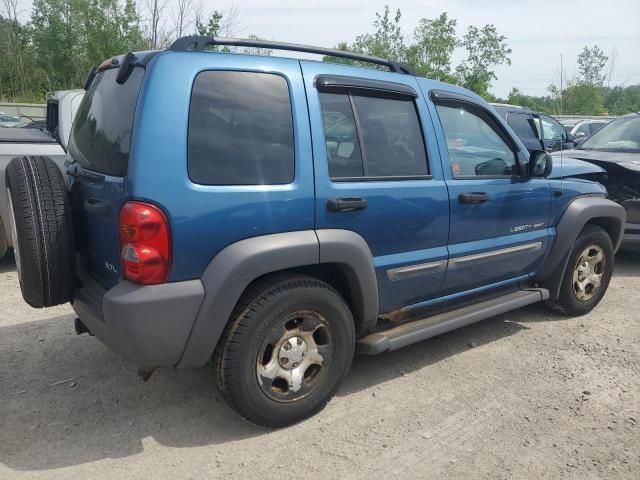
[[378, 173], [499, 218], [99, 149]]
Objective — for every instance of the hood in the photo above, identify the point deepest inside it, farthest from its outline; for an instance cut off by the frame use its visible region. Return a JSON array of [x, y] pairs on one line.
[[622, 171], [610, 161], [572, 167]]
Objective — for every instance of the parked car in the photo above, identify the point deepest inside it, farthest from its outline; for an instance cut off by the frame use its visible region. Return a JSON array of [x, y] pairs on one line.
[[584, 128], [536, 130], [616, 149], [293, 212], [569, 123], [36, 138], [9, 120]]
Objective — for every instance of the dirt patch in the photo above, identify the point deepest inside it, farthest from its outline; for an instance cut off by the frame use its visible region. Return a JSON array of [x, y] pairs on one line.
[[523, 395]]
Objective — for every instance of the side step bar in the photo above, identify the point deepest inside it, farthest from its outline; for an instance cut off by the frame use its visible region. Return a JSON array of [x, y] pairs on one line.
[[419, 330]]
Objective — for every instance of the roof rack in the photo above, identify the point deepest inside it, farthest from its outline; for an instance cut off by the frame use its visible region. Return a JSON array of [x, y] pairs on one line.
[[199, 43]]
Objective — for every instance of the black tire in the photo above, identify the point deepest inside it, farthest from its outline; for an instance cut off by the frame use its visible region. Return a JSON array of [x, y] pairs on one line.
[[42, 232], [3, 240], [568, 302], [262, 311]]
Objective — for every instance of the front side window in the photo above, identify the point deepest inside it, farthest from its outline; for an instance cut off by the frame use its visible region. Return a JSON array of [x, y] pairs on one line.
[[551, 129], [240, 129], [369, 136], [475, 147]]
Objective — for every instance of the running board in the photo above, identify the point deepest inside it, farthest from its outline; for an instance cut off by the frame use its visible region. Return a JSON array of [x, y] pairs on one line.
[[418, 330]]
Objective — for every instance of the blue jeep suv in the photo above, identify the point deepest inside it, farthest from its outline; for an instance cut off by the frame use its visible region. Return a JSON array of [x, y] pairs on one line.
[[276, 215]]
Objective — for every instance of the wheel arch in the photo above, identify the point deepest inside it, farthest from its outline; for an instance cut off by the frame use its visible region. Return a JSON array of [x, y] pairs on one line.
[[339, 257], [582, 211]]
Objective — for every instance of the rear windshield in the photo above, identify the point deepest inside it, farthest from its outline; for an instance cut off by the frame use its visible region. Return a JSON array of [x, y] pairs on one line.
[[101, 135]]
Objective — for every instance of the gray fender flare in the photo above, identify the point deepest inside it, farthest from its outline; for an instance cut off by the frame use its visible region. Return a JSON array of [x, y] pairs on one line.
[[237, 265], [578, 213]]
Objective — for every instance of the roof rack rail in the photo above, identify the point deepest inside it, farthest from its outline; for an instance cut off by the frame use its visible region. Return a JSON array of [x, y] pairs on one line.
[[198, 43]]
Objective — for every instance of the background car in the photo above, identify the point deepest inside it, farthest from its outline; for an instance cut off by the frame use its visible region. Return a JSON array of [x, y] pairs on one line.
[[616, 148], [535, 130], [584, 128]]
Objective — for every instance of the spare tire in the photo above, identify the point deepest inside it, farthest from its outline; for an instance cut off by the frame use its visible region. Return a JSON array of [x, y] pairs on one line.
[[41, 230]]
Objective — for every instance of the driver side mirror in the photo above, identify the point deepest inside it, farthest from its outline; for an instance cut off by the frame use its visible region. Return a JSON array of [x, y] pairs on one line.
[[540, 164]]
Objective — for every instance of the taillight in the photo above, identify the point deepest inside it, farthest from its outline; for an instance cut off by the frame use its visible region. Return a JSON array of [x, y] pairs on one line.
[[145, 244]]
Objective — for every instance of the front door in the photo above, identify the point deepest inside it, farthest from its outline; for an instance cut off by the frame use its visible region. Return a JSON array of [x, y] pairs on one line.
[[499, 218], [377, 176]]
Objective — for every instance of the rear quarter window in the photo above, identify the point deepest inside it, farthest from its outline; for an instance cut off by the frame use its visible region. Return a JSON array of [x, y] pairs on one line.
[[240, 129], [102, 129]]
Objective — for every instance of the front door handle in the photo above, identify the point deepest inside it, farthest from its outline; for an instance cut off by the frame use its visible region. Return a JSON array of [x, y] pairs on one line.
[[349, 204], [473, 197]]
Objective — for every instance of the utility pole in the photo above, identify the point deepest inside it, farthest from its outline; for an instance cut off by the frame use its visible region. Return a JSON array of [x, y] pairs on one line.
[[560, 84]]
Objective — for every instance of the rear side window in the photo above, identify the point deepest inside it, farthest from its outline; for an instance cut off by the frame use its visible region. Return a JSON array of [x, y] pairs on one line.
[[101, 136], [372, 137], [240, 129]]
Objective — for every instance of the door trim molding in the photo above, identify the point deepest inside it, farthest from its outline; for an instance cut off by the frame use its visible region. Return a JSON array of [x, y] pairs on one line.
[[476, 257], [415, 270]]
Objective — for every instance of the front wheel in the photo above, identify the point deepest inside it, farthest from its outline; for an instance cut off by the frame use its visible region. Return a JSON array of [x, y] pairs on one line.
[[588, 273], [286, 350]]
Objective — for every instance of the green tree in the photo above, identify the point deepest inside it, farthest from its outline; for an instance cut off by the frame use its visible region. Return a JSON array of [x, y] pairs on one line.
[[582, 99], [435, 42], [386, 41], [212, 27], [16, 65], [486, 49], [620, 100], [69, 36], [591, 63]]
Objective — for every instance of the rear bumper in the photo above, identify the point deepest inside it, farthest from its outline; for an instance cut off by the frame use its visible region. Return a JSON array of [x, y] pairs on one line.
[[148, 325]]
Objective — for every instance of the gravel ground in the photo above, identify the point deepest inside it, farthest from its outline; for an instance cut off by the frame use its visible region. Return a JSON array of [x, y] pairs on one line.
[[523, 395]]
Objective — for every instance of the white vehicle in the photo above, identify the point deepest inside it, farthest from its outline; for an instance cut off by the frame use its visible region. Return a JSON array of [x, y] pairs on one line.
[[50, 140], [584, 128]]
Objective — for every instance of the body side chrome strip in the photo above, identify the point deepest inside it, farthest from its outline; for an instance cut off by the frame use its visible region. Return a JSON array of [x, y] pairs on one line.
[[410, 271], [529, 247]]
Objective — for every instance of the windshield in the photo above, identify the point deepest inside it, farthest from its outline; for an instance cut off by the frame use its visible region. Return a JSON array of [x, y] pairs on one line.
[[620, 135]]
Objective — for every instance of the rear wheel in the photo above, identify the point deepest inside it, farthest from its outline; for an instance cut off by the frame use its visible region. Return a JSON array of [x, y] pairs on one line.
[[588, 273], [286, 350], [41, 230]]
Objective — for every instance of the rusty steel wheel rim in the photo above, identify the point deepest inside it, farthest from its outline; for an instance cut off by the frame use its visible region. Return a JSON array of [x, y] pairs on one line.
[[294, 356], [588, 273]]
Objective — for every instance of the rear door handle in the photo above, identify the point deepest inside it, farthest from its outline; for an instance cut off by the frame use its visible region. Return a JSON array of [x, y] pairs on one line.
[[349, 204], [473, 197]]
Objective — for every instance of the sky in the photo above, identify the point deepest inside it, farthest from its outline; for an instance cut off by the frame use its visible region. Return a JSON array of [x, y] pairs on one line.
[[538, 31]]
